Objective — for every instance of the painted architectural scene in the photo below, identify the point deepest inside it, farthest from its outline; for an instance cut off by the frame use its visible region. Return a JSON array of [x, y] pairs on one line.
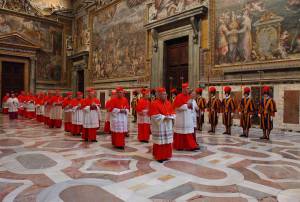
[[48, 36], [159, 9], [257, 31], [118, 42]]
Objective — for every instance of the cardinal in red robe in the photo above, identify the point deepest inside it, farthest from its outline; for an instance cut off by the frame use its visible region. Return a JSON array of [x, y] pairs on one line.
[[107, 115], [143, 118], [47, 107], [184, 138], [119, 109], [56, 111], [67, 107], [30, 106], [77, 114], [39, 105], [21, 99], [91, 116], [162, 116]]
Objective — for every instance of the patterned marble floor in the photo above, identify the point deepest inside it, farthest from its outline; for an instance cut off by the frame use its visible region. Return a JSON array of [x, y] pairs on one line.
[[48, 165]]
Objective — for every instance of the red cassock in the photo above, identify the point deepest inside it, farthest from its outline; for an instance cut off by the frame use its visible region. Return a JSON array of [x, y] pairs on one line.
[[184, 137], [143, 119], [91, 121], [50, 122], [25, 100], [162, 129], [46, 108], [107, 117], [67, 114], [30, 109], [77, 116], [56, 112], [118, 121], [39, 102], [21, 105], [4, 103]]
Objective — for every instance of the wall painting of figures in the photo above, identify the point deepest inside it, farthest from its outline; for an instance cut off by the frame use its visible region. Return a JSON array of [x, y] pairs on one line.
[[256, 31], [118, 42]]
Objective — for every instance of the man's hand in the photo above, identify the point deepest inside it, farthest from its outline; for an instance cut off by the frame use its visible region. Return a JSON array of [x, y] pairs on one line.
[[123, 111]]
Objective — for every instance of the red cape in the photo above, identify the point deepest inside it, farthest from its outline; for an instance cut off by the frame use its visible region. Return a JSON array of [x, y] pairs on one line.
[[180, 100], [142, 105], [159, 107], [119, 103]]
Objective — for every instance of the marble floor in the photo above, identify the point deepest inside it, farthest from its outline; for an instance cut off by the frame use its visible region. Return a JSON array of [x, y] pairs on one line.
[[48, 165]]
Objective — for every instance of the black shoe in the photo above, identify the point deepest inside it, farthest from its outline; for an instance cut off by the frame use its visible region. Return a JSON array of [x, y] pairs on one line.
[[196, 149], [94, 140], [161, 161], [145, 141], [121, 148], [225, 133], [263, 138], [86, 140]]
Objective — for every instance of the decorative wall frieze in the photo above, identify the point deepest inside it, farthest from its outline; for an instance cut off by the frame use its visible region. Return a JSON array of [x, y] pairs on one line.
[[22, 6]]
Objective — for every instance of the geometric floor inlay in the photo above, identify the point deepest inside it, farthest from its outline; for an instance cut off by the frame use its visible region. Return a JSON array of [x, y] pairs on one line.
[[49, 165], [36, 161]]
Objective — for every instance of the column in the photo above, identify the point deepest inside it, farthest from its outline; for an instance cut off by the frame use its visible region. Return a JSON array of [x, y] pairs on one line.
[[32, 74], [74, 80]]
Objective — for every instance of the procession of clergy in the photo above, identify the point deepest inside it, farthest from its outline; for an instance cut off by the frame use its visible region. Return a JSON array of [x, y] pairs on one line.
[[172, 124]]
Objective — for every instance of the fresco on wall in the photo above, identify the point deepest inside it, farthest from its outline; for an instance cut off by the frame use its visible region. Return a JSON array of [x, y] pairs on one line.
[[82, 35], [48, 37], [119, 42], [160, 9], [36, 7], [249, 31]]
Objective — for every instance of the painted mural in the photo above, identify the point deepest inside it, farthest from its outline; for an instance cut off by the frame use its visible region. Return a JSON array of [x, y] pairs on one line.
[[49, 37], [36, 7], [82, 34], [48, 6], [160, 9], [250, 31], [119, 42]]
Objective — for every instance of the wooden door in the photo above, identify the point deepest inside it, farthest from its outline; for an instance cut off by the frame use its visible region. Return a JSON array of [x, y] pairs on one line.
[[291, 106], [12, 77], [80, 81], [102, 100], [176, 63]]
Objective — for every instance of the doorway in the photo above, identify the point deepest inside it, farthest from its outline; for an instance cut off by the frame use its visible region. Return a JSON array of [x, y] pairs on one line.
[[12, 77], [176, 63], [80, 81]]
